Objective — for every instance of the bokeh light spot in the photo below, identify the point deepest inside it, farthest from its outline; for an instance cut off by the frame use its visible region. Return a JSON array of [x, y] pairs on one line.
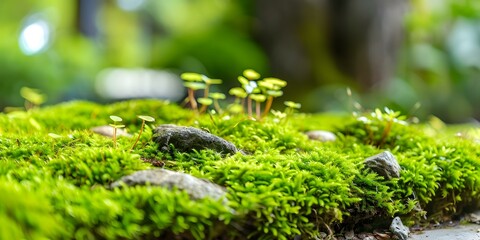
[[34, 36]]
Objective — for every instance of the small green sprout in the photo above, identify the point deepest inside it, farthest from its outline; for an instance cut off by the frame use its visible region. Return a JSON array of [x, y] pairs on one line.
[[252, 89], [217, 96], [353, 105], [33, 97], [205, 103], [240, 95], [116, 120], [291, 106], [377, 120], [271, 87], [279, 116], [192, 77], [208, 83], [192, 87], [144, 119], [390, 117], [258, 98], [193, 83], [54, 136], [251, 74], [238, 92], [248, 81]]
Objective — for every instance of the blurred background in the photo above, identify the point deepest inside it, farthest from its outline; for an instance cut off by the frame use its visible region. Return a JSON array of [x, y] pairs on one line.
[[418, 56]]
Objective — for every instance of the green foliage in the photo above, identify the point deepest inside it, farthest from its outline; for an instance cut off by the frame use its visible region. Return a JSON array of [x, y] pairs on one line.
[[435, 33], [381, 129], [98, 166], [33, 97], [27, 214], [439, 174]]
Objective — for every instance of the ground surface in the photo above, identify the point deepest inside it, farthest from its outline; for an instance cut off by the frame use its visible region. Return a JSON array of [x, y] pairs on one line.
[[460, 232], [56, 174]]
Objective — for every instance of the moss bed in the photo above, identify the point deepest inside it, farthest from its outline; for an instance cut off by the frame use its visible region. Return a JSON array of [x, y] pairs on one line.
[[57, 187]]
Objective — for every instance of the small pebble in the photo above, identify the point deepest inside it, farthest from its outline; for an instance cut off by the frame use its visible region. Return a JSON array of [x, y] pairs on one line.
[[321, 135], [349, 235]]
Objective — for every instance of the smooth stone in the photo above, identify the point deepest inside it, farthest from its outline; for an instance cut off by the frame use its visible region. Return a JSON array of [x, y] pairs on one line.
[[473, 217], [107, 131], [350, 235], [399, 229], [321, 135], [384, 164], [195, 187], [462, 231], [186, 139]]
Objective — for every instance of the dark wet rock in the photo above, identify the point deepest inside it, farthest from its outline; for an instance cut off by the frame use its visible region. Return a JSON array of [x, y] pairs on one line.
[[399, 229], [107, 131], [186, 139], [320, 135], [195, 187], [384, 164]]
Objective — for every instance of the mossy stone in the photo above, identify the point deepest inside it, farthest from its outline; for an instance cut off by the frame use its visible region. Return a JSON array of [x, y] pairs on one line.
[[187, 139], [384, 164], [195, 187]]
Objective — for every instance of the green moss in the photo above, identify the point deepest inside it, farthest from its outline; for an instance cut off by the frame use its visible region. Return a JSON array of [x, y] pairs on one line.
[[26, 214], [57, 187]]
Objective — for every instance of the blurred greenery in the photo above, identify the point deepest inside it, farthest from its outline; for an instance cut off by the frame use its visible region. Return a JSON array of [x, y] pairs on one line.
[[438, 64]]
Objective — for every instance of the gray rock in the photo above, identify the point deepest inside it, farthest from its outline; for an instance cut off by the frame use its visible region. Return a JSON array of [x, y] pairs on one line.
[[399, 229], [460, 231], [349, 235], [107, 131], [195, 187], [473, 217], [185, 139], [323, 235], [384, 164], [320, 135]]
